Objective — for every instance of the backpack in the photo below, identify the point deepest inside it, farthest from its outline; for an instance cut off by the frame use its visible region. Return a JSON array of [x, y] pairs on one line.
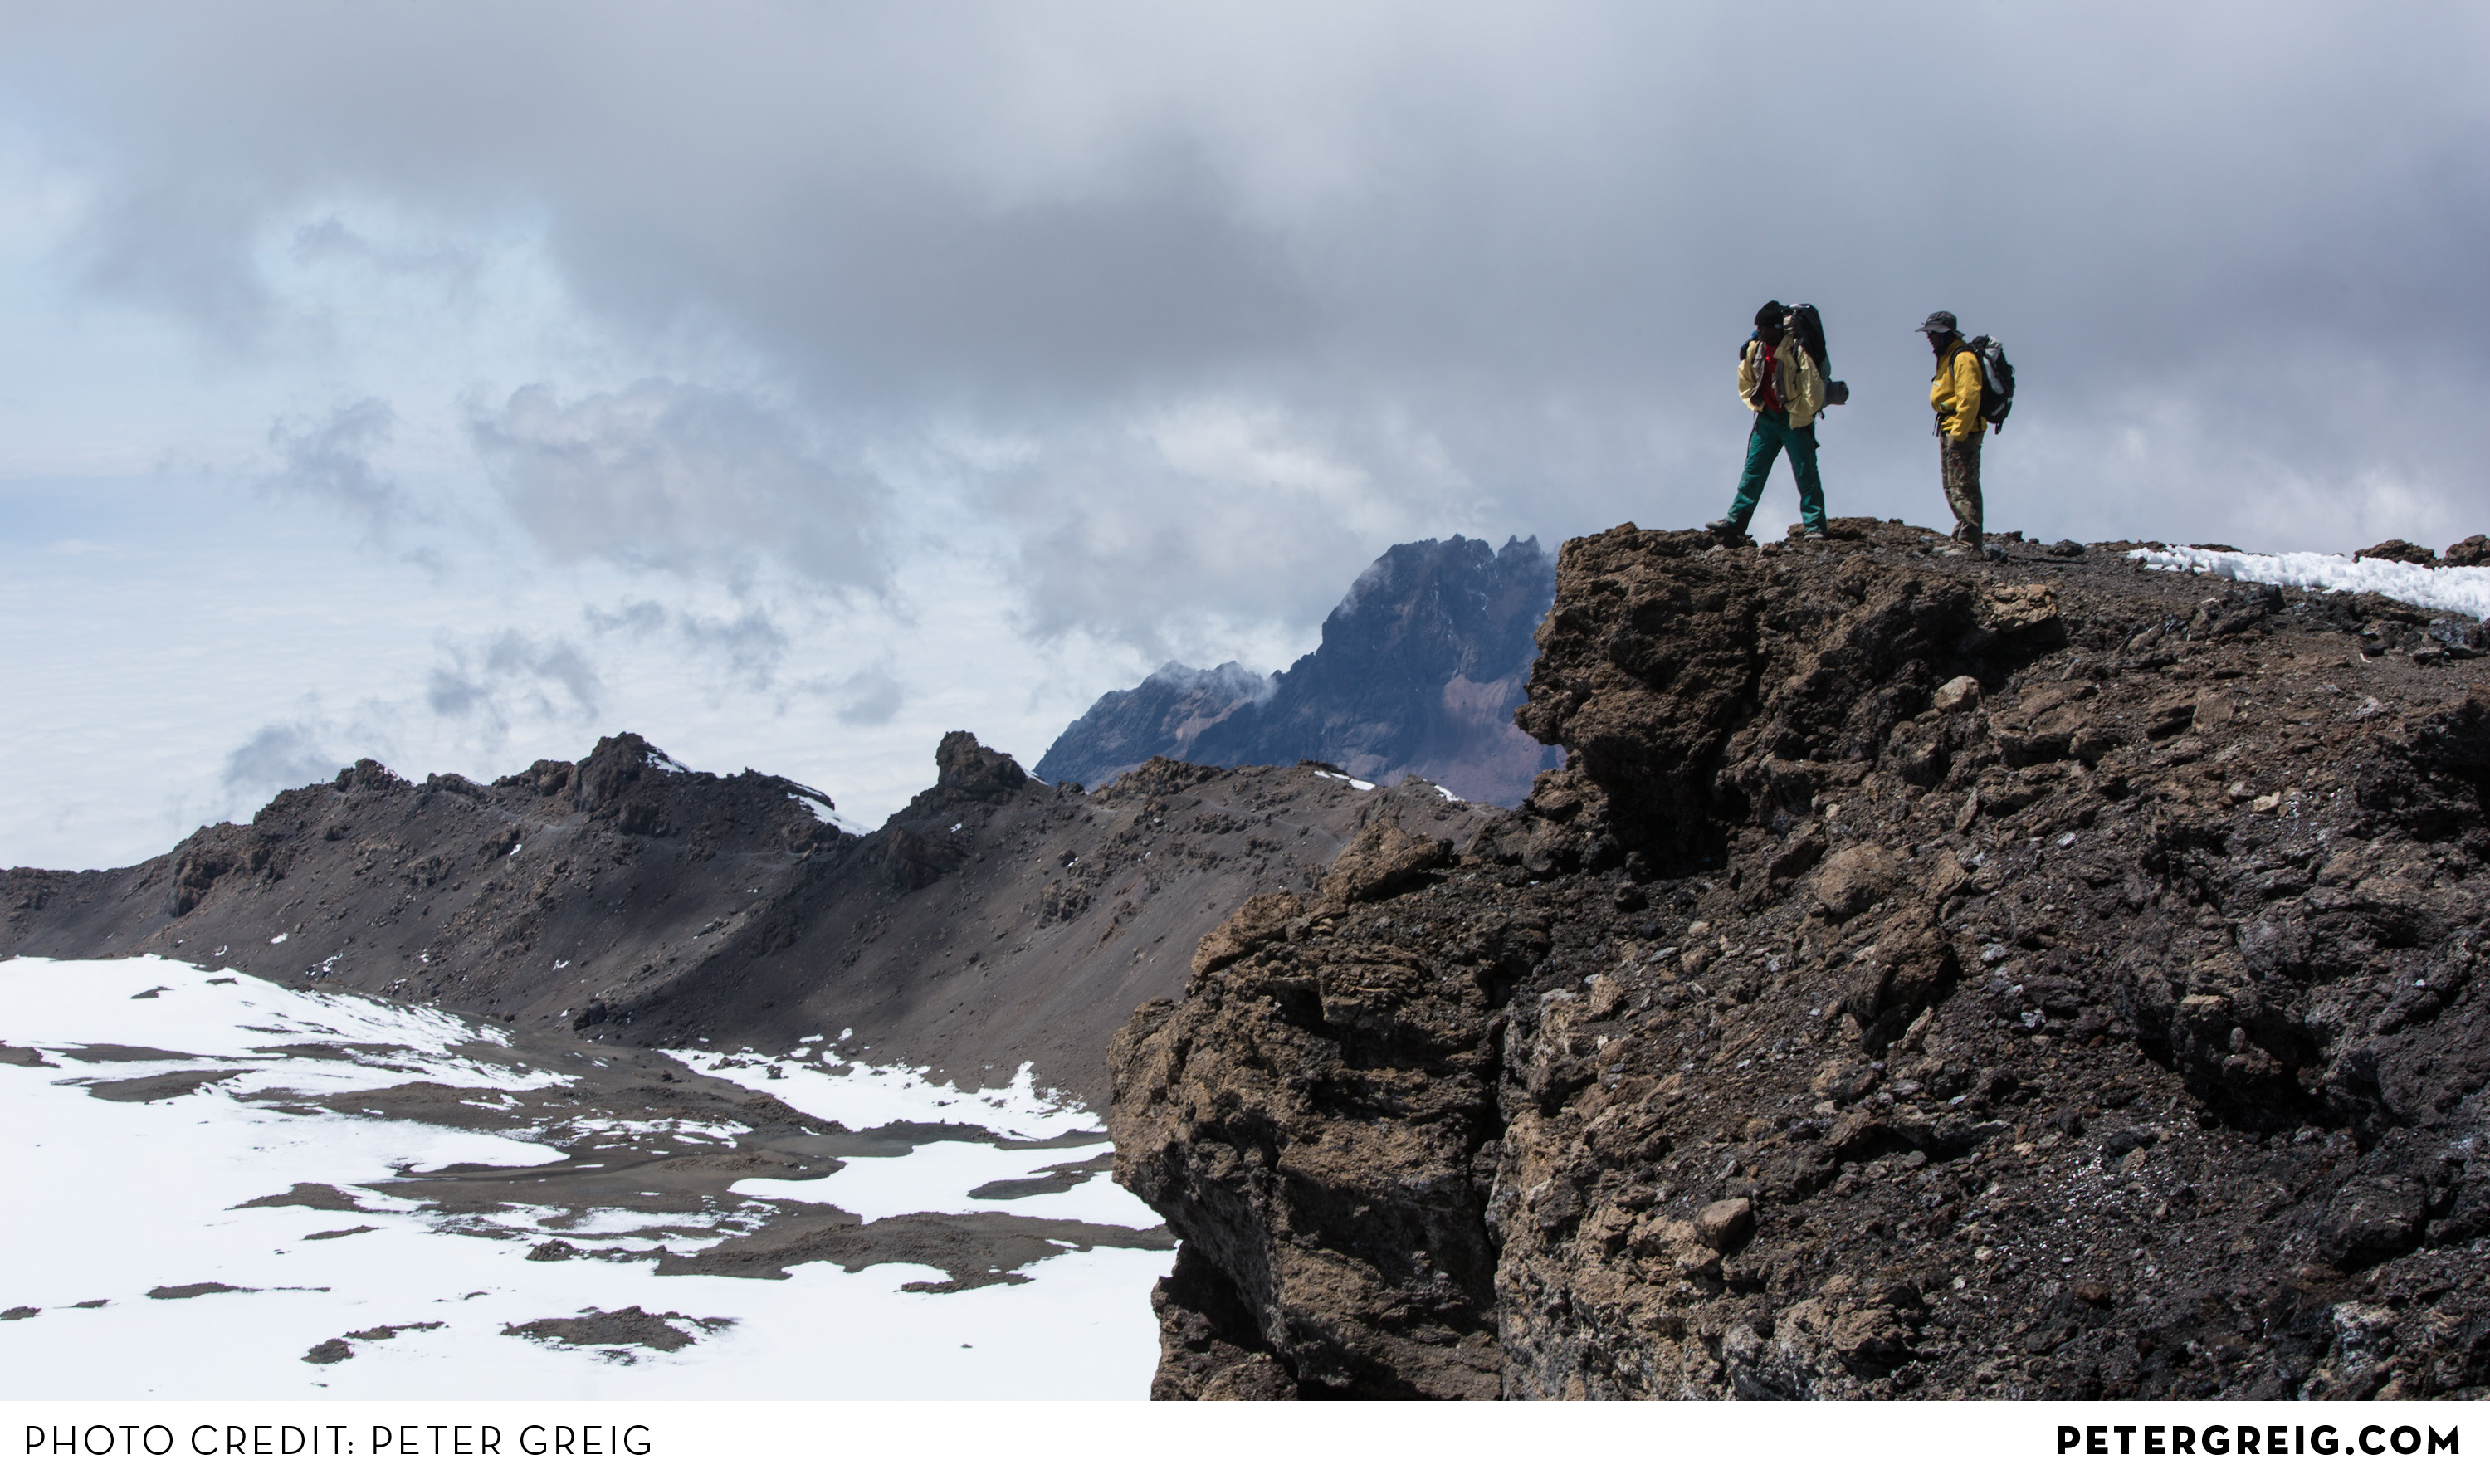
[[1809, 326], [1997, 381]]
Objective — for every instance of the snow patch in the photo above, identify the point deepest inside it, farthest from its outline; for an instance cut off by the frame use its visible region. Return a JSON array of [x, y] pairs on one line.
[[2456, 589], [825, 811]]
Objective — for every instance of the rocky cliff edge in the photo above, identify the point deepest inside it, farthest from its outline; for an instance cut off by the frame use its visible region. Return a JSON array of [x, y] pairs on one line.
[[1927, 979]]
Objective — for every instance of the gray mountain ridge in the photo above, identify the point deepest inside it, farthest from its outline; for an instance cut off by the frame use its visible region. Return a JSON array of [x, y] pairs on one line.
[[1417, 674]]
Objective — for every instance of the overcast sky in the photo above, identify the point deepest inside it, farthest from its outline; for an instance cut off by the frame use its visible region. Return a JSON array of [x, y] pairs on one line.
[[792, 382]]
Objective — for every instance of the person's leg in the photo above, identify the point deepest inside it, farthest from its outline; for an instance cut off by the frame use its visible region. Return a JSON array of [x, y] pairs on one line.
[[1763, 445], [1960, 461], [1973, 508], [1811, 489]]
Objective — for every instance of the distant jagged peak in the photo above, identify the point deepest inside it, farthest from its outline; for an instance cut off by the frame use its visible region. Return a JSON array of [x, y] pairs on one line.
[[1396, 567], [1228, 681]]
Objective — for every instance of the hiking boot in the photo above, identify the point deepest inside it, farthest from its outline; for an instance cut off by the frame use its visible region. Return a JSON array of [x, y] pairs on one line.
[[1812, 535], [1724, 528]]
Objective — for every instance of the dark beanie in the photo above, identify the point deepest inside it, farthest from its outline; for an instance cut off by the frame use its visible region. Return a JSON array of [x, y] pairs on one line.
[[1773, 313]]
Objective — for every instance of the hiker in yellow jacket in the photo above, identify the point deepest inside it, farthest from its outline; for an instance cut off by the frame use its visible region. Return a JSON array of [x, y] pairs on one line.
[[1781, 384], [1954, 395]]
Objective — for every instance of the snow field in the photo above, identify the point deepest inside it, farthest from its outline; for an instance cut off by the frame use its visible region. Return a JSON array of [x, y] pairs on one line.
[[113, 1199]]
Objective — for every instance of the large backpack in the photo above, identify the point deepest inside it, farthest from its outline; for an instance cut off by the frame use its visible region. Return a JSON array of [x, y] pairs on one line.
[[1809, 326], [1997, 381]]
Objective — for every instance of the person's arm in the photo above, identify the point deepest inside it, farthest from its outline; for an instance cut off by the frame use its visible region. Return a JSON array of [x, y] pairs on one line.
[[1803, 392], [1965, 394], [1746, 378]]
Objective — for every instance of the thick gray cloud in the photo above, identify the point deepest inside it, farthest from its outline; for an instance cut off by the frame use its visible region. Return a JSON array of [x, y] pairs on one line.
[[330, 458], [280, 755], [679, 478], [1200, 305], [484, 686], [872, 698], [747, 647]]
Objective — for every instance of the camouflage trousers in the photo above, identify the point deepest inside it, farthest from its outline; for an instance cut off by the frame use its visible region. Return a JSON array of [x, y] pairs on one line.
[[1958, 461]]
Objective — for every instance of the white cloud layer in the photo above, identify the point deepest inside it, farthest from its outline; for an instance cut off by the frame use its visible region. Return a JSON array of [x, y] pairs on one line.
[[940, 364]]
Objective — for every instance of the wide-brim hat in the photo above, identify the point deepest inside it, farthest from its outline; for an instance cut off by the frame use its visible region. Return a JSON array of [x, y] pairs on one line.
[[1943, 320]]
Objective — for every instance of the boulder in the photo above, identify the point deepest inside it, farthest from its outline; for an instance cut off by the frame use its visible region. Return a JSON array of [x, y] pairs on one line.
[[1857, 879], [2472, 551], [1724, 1224]]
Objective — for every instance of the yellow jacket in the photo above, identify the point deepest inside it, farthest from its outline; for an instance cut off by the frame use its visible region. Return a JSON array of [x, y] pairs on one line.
[[1955, 393], [1802, 384]]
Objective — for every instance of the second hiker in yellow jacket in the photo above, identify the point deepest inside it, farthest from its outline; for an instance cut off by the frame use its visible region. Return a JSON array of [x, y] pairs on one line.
[[1954, 396]]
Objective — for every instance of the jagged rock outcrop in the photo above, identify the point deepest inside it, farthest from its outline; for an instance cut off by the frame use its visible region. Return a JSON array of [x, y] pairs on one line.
[[1927, 980], [1417, 674], [993, 921]]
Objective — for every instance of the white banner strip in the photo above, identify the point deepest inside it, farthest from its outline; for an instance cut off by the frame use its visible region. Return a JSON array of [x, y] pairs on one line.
[[1084, 1443]]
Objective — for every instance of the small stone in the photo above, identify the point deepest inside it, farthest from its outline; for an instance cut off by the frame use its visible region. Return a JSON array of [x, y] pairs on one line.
[[2119, 1143], [328, 1352], [554, 1251], [2265, 804], [1958, 694], [1857, 879], [1723, 1224], [1842, 1080]]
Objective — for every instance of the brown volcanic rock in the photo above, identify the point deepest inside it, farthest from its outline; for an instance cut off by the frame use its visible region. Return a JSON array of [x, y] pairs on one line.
[[2472, 551], [1306, 1118], [2156, 1066], [2397, 550]]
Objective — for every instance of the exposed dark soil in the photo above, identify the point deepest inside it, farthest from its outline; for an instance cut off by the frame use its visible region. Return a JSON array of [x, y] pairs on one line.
[[974, 1250], [156, 1088], [195, 1289], [1054, 1179], [633, 1326]]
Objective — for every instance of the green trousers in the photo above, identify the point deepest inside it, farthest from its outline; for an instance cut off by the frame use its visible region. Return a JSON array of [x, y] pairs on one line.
[[1772, 433]]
